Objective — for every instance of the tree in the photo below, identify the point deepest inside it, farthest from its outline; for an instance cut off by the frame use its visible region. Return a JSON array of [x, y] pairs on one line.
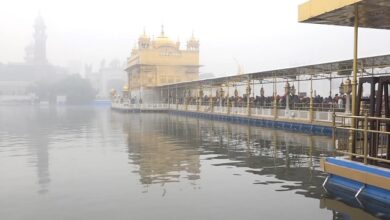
[[76, 90]]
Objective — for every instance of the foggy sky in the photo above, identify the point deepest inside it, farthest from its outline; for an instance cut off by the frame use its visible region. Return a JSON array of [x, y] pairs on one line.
[[260, 34]]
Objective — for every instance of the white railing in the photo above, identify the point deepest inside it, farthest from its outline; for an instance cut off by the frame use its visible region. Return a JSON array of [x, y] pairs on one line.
[[300, 115]]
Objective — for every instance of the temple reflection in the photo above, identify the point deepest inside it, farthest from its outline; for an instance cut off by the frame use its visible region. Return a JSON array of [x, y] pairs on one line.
[[159, 156], [170, 148], [39, 129], [290, 158], [166, 147]]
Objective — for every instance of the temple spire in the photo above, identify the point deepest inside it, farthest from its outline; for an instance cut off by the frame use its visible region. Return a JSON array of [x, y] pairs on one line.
[[38, 48], [162, 31]]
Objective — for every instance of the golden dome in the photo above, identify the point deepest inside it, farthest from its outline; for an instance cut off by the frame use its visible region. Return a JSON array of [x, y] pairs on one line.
[[126, 88], [163, 41]]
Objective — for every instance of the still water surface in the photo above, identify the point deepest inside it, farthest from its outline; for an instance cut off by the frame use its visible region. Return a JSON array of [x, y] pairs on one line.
[[91, 163]]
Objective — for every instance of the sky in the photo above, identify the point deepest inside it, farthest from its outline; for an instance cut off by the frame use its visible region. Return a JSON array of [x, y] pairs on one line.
[[260, 35]]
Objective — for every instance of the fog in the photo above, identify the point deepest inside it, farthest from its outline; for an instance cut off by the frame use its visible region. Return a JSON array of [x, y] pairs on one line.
[[108, 110], [259, 34]]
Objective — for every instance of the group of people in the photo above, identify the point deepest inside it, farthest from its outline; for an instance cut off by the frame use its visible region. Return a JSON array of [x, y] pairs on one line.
[[295, 102]]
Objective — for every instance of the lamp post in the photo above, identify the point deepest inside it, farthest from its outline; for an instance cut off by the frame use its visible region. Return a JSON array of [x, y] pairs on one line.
[[200, 97], [235, 96], [287, 95], [346, 88], [211, 104], [275, 99], [248, 95], [348, 91], [311, 104], [221, 95], [261, 96], [341, 91], [227, 99], [186, 98], [293, 92]]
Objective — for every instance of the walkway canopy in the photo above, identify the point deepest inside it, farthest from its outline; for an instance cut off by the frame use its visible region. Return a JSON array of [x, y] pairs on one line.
[[321, 71], [372, 13]]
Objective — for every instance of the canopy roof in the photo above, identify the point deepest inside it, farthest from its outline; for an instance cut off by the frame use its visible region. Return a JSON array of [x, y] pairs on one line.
[[372, 13], [324, 70]]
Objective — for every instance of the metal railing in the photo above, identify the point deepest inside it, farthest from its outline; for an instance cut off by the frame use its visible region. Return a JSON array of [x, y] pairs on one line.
[[368, 141]]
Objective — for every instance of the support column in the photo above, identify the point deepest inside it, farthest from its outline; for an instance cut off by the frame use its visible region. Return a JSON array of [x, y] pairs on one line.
[[130, 85], [199, 103], [169, 98], [330, 85], [275, 100], [186, 97], [355, 64], [311, 110], [221, 96], [287, 96], [211, 100], [197, 100], [161, 96], [298, 86], [248, 98], [176, 98], [354, 78], [228, 99], [140, 100]]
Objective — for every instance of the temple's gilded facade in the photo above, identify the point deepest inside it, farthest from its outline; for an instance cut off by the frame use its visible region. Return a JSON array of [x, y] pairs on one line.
[[161, 61]]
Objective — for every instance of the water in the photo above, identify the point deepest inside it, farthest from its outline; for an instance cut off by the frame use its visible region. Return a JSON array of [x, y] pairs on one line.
[[85, 163]]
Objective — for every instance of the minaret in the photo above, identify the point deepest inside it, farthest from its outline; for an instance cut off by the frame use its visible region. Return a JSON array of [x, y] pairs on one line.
[[39, 51], [193, 43], [162, 31], [143, 41]]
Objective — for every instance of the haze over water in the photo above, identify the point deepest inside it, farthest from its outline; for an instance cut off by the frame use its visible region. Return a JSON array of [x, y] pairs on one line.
[[91, 163]]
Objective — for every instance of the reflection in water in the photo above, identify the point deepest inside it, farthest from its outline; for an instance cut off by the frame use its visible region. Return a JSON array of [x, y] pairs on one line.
[[159, 156], [87, 163], [164, 147], [342, 211], [37, 128]]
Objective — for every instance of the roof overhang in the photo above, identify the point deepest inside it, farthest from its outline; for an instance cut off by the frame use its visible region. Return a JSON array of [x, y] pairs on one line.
[[342, 68], [372, 13]]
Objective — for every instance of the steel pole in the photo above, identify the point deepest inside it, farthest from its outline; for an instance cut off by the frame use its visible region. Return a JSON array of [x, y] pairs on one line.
[[311, 112], [355, 61], [354, 78]]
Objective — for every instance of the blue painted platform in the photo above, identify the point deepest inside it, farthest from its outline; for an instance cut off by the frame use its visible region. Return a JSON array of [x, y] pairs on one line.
[[261, 122], [374, 207], [352, 186]]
